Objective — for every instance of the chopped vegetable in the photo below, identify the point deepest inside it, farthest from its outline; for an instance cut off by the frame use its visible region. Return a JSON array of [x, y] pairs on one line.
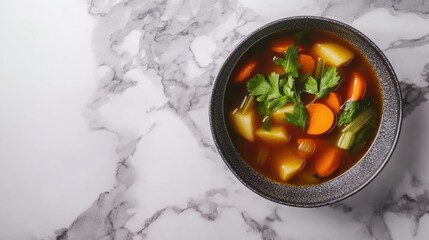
[[360, 121], [333, 53], [243, 119], [346, 139], [279, 115], [307, 63], [306, 146], [299, 117], [262, 155], [328, 162], [247, 104], [245, 71], [289, 164], [321, 119], [333, 102], [357, 88], [358, 131], [351, 110], [320, 68], [244, 124], [363, 135], [276, 135], [272, 67], [282, 44], [290, 62]]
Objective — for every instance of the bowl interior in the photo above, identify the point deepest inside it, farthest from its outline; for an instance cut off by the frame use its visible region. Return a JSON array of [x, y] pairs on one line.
[[352, 180]]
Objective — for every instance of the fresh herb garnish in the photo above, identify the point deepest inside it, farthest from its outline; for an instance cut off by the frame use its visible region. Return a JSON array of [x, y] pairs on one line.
[[351, 110], [290, 62], [311, 86], [362, 136], [263, 89], [267, 93], [328, 82], [275, 91], [290, 90], [299, 117]]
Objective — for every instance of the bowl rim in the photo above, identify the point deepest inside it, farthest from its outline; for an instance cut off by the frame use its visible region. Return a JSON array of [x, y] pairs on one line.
[[226, 153]]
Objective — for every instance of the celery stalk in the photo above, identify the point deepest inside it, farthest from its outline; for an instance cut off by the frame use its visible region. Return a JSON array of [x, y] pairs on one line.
[[360, 121], [346, 140], [247, 104], [320, 68]]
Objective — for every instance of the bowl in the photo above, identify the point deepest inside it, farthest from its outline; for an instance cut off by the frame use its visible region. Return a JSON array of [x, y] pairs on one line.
[[353, 179]]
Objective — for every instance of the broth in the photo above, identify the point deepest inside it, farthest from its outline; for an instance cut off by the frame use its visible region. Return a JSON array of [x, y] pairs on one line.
[[262, 54]]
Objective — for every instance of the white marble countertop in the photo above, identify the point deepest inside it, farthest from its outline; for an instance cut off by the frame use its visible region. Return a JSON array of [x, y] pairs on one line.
[[104, 130]]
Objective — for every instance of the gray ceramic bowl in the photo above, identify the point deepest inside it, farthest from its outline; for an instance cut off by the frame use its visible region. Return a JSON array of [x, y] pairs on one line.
[[352, 180]]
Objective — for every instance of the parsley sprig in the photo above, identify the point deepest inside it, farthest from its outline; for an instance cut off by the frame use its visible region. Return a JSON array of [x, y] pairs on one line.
[[328, 82], [290, 62], [273, 91], [299, 117]]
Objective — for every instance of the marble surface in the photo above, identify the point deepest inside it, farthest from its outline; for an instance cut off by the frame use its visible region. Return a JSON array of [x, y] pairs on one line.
[[104, 130]]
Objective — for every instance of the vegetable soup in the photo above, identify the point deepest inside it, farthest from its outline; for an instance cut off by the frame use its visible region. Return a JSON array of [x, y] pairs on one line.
[[303, 107]]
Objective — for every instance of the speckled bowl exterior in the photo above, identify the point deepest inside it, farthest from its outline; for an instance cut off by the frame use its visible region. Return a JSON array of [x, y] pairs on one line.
[[352, 180]]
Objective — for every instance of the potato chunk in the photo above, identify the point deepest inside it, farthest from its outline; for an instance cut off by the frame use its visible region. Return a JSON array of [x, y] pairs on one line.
[[275, 135], [333, 53], [289, 163], [244, 124], [279, 115]]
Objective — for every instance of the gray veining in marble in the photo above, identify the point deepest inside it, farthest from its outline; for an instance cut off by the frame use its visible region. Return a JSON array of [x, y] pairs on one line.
[[165, 48]]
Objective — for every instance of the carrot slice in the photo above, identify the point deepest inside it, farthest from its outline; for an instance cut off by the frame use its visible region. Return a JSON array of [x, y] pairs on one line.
[[320, 119], [307, 63], [333, 102], [328, 162], [245, 71], [282, 44], [357, 88]]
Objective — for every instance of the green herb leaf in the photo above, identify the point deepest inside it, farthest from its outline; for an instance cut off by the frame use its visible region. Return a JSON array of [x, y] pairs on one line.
[[288, 88], [263, 89], [277, 103], [351, 110], [328, 82], [362, 136], [299, 117], [267, 123], [290, 62], [264, 112], [311, 85]]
